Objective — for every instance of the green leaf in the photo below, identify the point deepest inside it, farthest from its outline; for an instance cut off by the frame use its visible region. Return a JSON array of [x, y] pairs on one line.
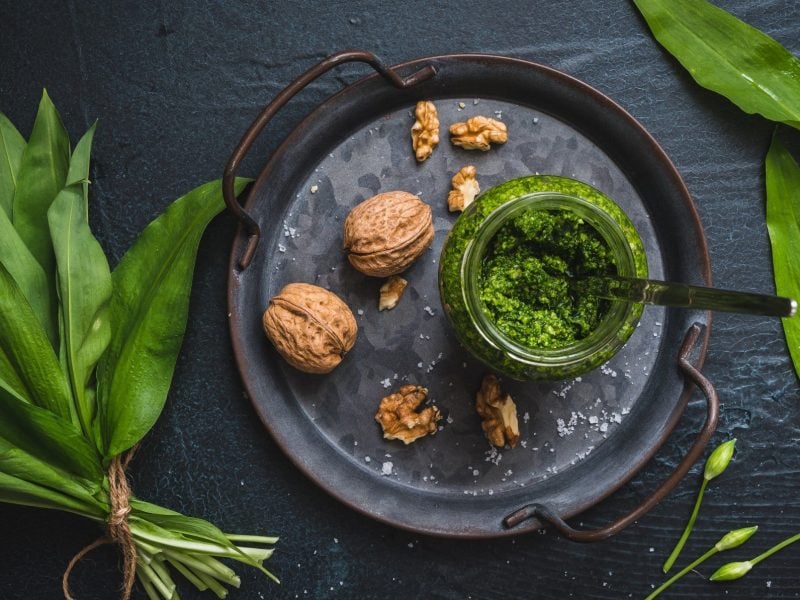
[[42, 175], [149, 309], [12, 145], [48, 437], [783, 223], [190, 527], [79, 165], [728, 56], [29, 367], [14, 490], [28, 274], [84, 285], [16, 462]]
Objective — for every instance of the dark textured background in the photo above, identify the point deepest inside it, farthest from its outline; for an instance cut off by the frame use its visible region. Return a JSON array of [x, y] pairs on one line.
[[174, 84]]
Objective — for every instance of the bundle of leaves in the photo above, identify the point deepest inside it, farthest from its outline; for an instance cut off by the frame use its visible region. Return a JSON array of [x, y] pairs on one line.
[[87, 356]]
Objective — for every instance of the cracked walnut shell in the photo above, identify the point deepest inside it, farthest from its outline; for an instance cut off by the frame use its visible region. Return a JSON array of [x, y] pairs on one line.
[[398, 416], [425, 131], [386, 233], [478, 133], [465, 188], [310, 327], [499, 413]]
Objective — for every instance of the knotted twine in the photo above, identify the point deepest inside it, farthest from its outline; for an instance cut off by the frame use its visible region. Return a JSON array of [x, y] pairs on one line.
[[117, 529]]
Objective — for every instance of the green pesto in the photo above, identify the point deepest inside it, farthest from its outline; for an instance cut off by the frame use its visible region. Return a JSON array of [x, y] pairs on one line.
[[524, 282], [464, 231]]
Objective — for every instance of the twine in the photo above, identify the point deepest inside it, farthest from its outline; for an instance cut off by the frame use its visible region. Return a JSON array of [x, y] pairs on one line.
[[117, 529]]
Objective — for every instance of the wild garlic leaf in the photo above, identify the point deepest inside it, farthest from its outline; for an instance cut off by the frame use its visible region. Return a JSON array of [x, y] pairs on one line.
[[783, 224], [42, 174], [48, 437], [149, 309], [15, 461], [15, 490], [728, 56], [28, 274], [12, 145], [26, 356], [84, 284], [189, 527]]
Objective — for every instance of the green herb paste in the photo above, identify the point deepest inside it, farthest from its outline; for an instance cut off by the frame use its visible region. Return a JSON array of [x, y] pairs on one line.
[[452, 292], [525, 278]]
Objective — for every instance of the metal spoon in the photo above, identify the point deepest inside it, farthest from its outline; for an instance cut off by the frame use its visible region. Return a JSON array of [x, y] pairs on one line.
[[666, 293]]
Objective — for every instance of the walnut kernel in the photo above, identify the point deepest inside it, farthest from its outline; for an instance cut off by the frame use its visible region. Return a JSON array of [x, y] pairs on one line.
[[465, 188], [499, 413], [390, 292], [310, 327], [425, 131], [478, 133], [386, 233], [398, 416]]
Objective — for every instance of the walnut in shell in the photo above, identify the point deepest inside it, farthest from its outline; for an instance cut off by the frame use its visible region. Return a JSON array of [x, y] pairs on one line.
[[465, 188], [398, 416], [499, 413], [310, 327], [478, 133], [425, 131], [386, 233], [390, 292]]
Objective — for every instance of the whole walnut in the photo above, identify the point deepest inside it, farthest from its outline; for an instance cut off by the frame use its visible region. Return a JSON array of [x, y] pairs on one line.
[[386, 233], [310, 327]]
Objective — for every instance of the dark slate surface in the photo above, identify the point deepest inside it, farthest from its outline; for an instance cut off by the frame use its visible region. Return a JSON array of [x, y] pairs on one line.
[[174, 85]]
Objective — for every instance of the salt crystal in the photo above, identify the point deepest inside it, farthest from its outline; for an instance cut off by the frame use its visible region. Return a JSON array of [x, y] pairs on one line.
[[386, 468]]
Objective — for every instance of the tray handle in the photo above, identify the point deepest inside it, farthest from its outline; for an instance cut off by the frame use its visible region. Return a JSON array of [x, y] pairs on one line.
[[546, 514], [247, 222]]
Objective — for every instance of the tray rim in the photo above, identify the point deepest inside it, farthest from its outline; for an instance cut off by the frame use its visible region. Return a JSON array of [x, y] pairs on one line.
[[656, 150]]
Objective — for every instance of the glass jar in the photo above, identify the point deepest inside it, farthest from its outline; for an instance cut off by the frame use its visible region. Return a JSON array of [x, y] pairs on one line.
[[464, 252]]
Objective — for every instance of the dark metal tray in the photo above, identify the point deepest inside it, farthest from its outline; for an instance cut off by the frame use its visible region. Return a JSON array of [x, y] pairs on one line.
[[580, 439]]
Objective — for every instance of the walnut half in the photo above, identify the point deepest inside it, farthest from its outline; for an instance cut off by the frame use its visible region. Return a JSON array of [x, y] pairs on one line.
[[465, 188], [390, 292], [478, 133], [499, 413], [425, 131], [398, 416]]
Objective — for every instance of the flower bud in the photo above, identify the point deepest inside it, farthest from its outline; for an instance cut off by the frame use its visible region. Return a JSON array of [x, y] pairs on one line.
[[731, 571], [719, 460], [735, 538]]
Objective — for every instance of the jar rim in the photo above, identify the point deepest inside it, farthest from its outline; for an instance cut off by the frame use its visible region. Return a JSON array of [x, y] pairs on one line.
[[620, 312]]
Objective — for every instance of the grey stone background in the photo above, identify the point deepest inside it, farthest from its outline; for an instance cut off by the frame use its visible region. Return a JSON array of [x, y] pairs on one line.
[[175, 84]]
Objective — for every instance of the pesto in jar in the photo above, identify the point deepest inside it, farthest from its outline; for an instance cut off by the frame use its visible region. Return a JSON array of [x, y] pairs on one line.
[[591, 333], [524, 283]]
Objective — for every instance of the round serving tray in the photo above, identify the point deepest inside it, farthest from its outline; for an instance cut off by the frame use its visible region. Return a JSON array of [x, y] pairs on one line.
[[580, 439]]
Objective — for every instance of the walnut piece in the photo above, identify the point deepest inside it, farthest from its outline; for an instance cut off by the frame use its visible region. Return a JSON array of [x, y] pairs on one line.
[[478, 133], [499, 413], [399, 418], [425, 131], [390, 292], [310, 327], [386, 233], [465, 188]]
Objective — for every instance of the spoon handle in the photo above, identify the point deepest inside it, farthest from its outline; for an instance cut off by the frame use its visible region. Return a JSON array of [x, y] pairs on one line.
[[648, 291]]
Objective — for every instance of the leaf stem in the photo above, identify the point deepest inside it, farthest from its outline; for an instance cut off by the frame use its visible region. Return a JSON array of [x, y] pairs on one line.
[[210, 566], [148, 587], [777, 547], [259, 539], [687, 530], [187, 572], [159, 585], [681, 573]]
